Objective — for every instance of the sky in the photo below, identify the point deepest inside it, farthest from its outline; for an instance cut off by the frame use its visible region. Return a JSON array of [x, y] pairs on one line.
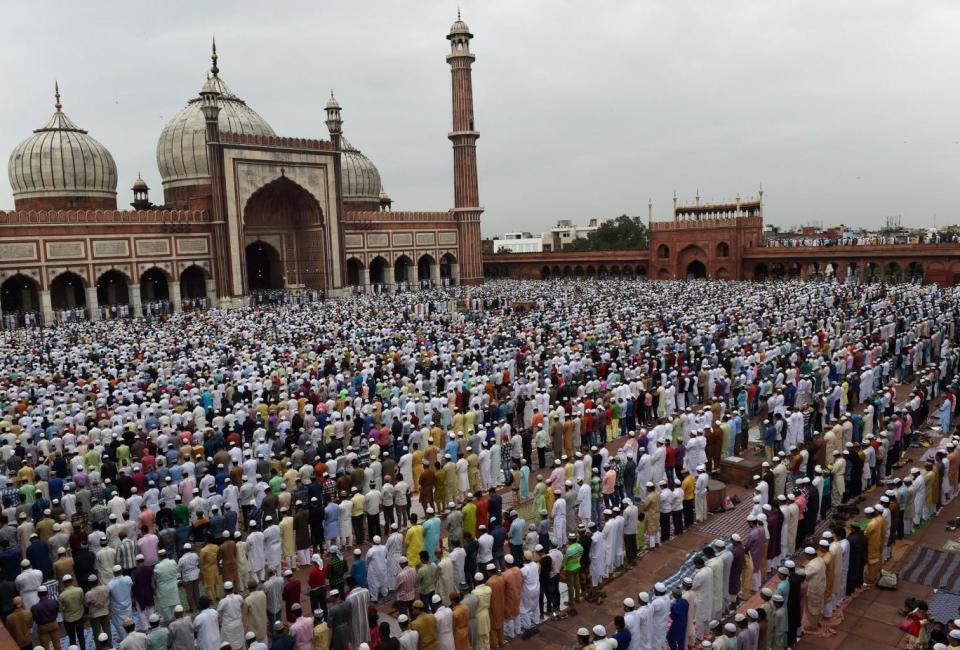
[[845, 112]]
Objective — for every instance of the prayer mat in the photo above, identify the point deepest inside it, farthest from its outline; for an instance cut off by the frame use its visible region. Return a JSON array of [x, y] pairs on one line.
[[934, 568], [944, 605], [727, 523]]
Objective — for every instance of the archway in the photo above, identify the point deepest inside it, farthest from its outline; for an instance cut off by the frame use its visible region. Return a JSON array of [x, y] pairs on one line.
[[545, 272], [282, 207], [761, 272], [112, 294], [614, 271], [893, 272], [915, 272], [723, 249], [696, 270], [402, 272], [641, 272], [19, 295], [154, 286], [354, 272], [424, 265], [795, 270], [264, 271], [449, 271], [628, 272], [67, 294], [193, 283], [567, 272], [663, 251], [590, 272], [777, 271], [723, 274], [378, 271]]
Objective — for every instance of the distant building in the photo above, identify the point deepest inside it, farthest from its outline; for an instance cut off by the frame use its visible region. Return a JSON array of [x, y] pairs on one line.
[[518, 242], [565, 232]]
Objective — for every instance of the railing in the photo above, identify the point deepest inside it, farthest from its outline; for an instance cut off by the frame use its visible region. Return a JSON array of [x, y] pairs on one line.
[[859, 242]]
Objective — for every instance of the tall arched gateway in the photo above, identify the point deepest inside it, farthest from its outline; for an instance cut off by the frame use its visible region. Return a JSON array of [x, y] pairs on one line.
[[284, 238]]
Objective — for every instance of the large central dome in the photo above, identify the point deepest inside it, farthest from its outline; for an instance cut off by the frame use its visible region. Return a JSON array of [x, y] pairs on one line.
[[182, 149]]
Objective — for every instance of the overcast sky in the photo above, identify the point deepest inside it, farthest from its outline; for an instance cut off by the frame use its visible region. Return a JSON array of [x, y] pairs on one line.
[[846, 112]]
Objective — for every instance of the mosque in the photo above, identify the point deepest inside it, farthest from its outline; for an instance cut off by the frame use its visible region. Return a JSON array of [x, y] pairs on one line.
[[244, 210]]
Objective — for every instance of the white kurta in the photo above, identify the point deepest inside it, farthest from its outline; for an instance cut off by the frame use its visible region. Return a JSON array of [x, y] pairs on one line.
[[272, 546], [378, 576], [255, 551], [230, 610]]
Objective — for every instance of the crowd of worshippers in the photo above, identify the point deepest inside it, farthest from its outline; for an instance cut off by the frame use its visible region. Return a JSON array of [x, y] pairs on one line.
[[802, 577], [165, 481]]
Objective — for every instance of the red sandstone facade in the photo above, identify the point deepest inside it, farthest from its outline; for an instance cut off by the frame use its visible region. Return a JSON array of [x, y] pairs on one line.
[[244, 210], [725, 241]]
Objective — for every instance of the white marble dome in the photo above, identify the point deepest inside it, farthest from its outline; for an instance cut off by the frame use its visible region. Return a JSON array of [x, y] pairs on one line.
[[62, 160], [182, 148], [359, 177]]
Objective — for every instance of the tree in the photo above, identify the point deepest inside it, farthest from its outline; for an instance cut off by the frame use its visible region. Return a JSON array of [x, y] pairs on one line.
[[623, 233]]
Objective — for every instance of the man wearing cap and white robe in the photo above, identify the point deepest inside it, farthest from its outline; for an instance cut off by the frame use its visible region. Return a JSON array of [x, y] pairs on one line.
[[584, 505], [529, 593], [230, 614], [702, 589], [598, 557], [559, 529], [378, 575], [272, 546], [700, 490], [642, 638], [659, 616]]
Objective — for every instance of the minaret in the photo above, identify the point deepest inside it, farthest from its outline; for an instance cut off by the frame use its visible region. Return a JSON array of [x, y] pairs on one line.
[[210, 106], [466, 193]]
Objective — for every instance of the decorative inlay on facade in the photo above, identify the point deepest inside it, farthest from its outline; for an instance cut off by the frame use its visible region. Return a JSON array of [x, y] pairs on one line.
[[153, 247], [65, 250], [378, 240], [192, 245], [426, 239], [111, 248], [18, 251], [353, 241]]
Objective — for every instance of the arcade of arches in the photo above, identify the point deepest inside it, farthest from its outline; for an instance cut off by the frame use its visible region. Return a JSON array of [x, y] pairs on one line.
[[402, 273], [71, 296]]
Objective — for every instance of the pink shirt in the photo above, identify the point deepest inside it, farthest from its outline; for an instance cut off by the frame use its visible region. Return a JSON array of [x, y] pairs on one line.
[[302, 633], [609, 481], [147, 545], [407, 584]]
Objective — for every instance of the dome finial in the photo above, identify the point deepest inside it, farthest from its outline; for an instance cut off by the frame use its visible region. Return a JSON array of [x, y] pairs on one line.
[[56, 94], [213, 57], [458, 12]]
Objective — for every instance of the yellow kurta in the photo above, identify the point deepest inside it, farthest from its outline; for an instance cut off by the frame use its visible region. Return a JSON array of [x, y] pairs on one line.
[[483, 594], [831, 573], [288, 541], [209, 570], [816, 588], [321, 637], [874, 535], [417, 469], [413, 540]]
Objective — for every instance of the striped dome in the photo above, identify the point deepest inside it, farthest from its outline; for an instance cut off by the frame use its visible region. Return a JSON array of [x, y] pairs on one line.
[[182, 148], [360, 179], [62, 160]]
